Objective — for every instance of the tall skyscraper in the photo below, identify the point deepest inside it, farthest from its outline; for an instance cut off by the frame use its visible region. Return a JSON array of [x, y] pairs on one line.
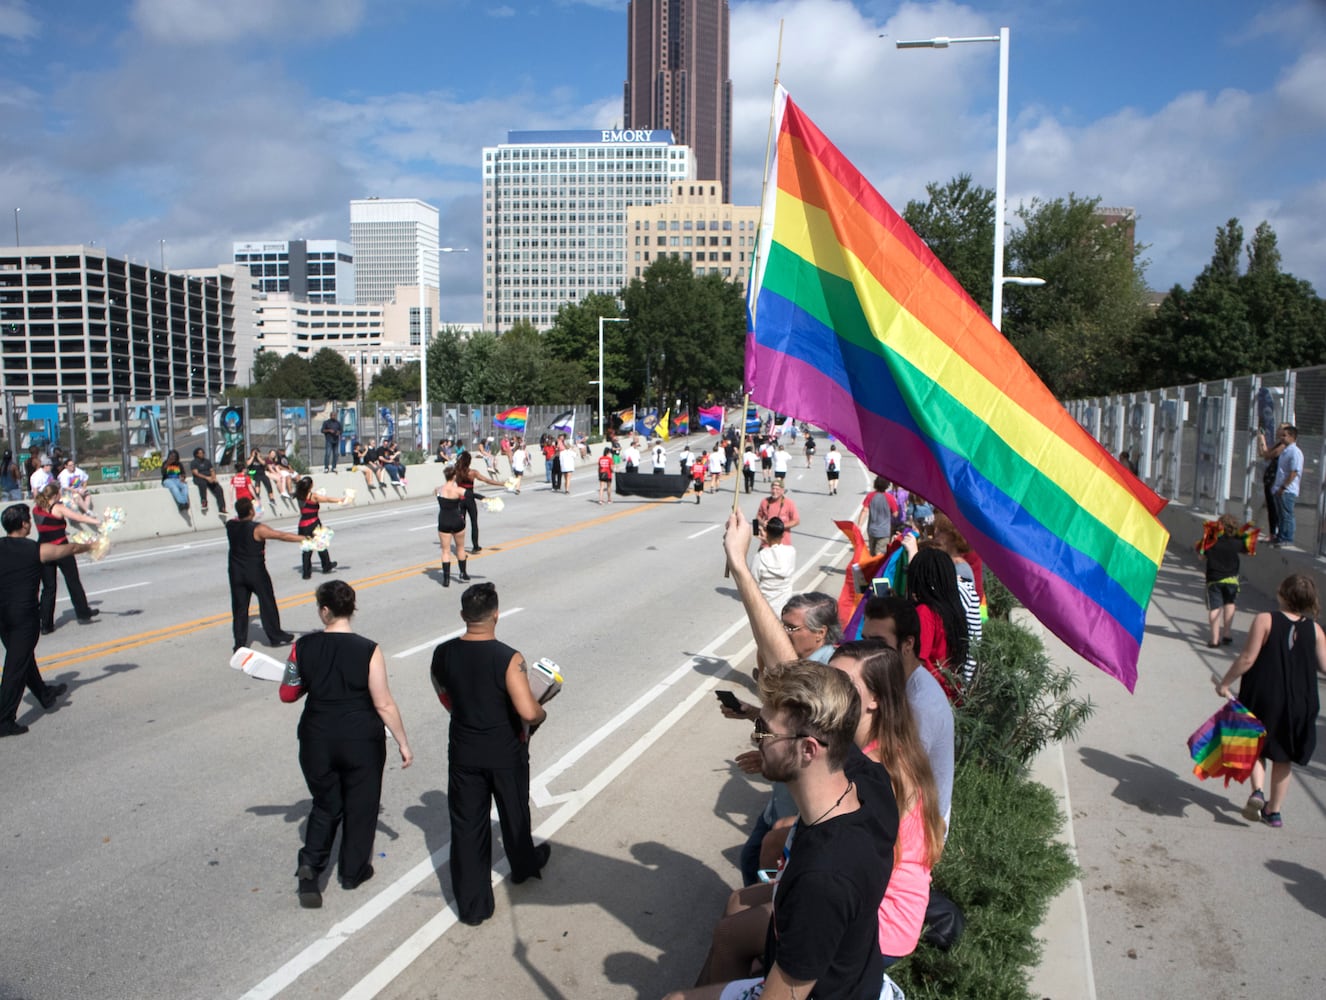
[[310, 270], [391, 237], [676, 78], [554, 215]]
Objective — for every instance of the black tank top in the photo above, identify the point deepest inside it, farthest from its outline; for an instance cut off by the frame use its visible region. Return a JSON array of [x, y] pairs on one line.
[[485, 729], [246, 551], [49, 528], [308, 516]]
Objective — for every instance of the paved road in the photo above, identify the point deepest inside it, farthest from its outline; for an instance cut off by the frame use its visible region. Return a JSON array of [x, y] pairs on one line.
[[151, 823]]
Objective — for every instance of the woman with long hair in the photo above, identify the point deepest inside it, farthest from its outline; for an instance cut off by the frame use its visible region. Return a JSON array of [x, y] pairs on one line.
[[172, 478], [280, 475], [257, 470], [932, 583], [1286, 651], [465, 477], [51, 516], [9, 473], [310, 503], [451, 525], [342, 747]]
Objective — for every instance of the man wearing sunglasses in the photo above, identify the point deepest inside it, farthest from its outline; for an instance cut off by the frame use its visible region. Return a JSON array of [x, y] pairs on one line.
[[823, 936]]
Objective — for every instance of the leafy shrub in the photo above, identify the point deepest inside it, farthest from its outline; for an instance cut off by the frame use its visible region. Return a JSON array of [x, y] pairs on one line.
[[1002, 865], [999, 600], [1017, 702]]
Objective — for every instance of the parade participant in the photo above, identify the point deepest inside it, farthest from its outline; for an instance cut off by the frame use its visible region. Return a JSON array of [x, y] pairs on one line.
[[51, 516], [172, 478], [686, 459], [21, 564], [566, 461], [715, 468], [243, 487], [658, 458], [766, 459], [605, 476], [878, 515], [1221, 555], [465, 478], [780, 460], [247, 569], [552, 469], [776, 504], [309, 521], [699, 470], [483, 683], [809, 448], [631, 456], [342, 747], [204, 477], [519, 463], [831, 467], [451, 524], [1279, 667], [748, 461]]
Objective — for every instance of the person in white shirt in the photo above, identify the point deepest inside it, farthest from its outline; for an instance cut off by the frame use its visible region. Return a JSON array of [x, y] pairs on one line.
[[775, 564], [566, 459], [659, 458], [832, 461], [687, 459], [42, 477], [519, 462], [73, 482], [715, 468], [631, 456], [766, 459], [1288, 478], [748, 467], [780, 459]]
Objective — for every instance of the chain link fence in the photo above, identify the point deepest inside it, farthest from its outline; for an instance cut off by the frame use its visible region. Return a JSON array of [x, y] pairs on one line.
[[124, 440], [1197, 444]]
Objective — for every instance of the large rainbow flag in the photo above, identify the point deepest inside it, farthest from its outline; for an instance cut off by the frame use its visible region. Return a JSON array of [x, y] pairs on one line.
[[513, 419], [858, 328]]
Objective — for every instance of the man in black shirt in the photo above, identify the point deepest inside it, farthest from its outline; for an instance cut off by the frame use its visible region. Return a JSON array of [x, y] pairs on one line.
[[484, 684], [331, 433], [20, 573], [247, 568], [204, 477]]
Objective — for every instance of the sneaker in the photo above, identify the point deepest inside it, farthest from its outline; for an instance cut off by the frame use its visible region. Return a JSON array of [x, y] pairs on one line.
[[91, 613], [1272, 820], [541, 854], [330, 567], [310, 896], [1253, 809], [10, 727], [204, 510]]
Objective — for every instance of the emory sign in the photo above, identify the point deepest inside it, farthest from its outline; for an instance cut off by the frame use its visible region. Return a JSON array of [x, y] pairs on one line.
[[632, 135]]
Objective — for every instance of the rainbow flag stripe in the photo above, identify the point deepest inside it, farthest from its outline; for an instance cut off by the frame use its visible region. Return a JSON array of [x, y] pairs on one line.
[[513, 419], [681, 424], [859, 329], [1228, 744]]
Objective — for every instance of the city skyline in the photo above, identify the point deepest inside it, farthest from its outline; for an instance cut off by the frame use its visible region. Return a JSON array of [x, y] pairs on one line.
[[199, 124]]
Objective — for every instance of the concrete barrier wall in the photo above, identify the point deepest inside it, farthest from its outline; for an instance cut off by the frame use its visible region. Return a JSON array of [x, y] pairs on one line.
[[150, 510]]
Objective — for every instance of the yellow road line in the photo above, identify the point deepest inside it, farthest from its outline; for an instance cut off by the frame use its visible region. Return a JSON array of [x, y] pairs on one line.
[[68, 658]]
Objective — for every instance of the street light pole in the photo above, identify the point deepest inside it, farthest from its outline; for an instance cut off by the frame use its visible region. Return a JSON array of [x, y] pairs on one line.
[[17, 241], [1001, 151], [602, 320], [423, 340]]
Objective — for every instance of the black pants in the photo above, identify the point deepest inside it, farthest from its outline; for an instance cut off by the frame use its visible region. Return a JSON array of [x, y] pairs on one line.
[[204, 487], [345, 780], [326, 560], [1272, 510], [748, 475], [556, 475], [471, 508], [69, 567], [18, 631], [260, 482], [470, 794], [246, 583]]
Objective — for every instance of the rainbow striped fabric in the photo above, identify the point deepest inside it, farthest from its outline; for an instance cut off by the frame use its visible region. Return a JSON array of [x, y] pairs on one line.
[[858, 329], [681, 423], [1227, 744], [513, 419]]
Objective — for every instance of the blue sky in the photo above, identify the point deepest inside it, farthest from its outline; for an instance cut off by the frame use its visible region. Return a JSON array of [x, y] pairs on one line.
[[201, 122]]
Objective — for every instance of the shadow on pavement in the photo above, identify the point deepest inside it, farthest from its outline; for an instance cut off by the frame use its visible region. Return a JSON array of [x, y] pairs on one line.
[[1156, 790], [1304, 884]]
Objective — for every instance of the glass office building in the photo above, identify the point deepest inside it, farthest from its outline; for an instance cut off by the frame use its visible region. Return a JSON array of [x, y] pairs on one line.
[[310, 270]]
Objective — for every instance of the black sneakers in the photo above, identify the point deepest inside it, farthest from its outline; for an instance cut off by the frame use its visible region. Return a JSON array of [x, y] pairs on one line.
[[10, 727], [54, 692], [310, 897]]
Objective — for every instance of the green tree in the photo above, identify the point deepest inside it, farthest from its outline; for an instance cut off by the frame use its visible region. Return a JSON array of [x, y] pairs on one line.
[[446, 366], [517, 365], [478, 377], [957, 224], [291, 379], [332, 376], [386, 386], [1080, 330], [573, 340], [265, 364]]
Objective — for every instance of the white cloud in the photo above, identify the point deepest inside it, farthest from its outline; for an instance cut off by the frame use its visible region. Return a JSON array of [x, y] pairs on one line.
[[207, 22], [503, 11], [16, 21]]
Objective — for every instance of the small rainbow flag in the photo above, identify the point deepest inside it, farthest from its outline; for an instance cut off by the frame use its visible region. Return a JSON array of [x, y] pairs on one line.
[[682, 424], [513, 419], [1227, 744], [856, 327]]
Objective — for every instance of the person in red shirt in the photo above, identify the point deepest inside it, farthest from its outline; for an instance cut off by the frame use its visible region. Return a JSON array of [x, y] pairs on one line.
[[776, 504], [699, 469], [243, 487], [605, 476]]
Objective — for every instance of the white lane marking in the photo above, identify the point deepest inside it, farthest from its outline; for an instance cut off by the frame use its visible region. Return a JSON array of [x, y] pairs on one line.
[[109, 590], [712, 527], [418, 942], [506, 613]]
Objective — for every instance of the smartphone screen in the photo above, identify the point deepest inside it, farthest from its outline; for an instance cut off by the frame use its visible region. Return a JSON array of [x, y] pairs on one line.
[[729, 700]]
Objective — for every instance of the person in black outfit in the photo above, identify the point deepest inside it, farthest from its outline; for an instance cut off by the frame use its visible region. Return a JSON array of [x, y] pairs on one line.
[[484, 684], [465, 477], [342, 749], [1221, 550], [204, 477], [310, 503], [331, 451], [248, 574], [21, 563]]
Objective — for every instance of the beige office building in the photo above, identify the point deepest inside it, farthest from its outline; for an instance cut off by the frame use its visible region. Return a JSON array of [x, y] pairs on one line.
[[697, 226]]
